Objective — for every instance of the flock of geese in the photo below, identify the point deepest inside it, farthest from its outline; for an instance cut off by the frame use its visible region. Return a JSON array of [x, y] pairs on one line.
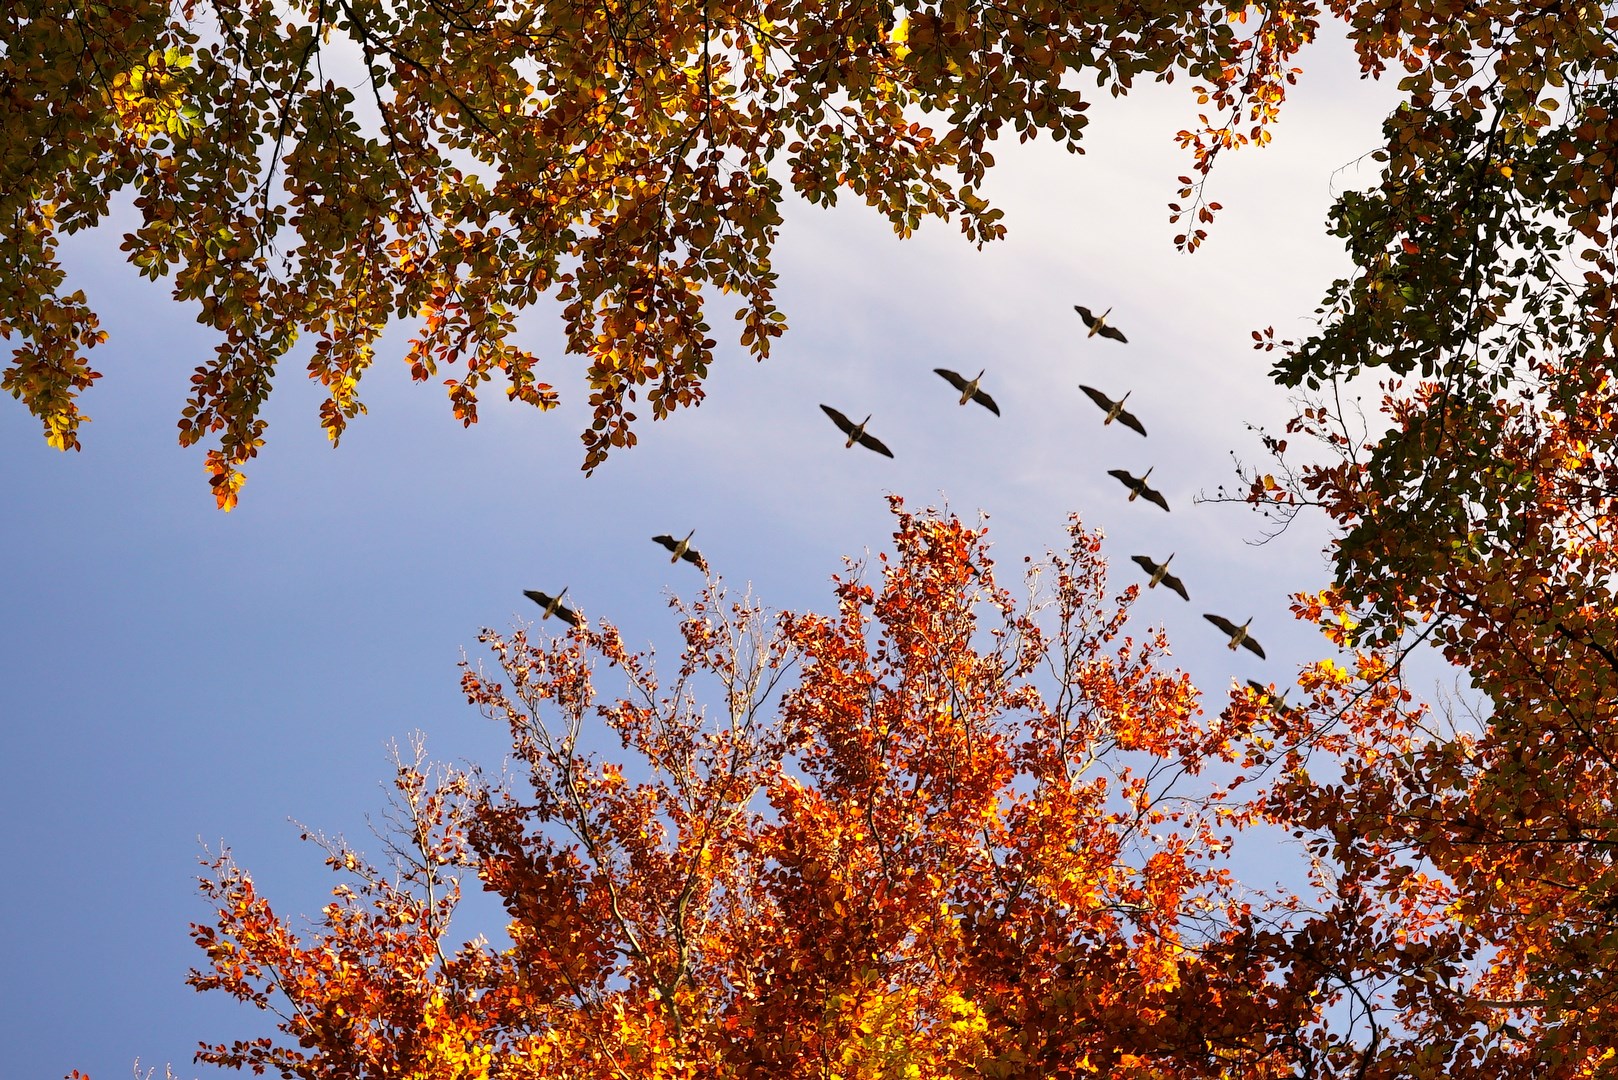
[[1157, 573]]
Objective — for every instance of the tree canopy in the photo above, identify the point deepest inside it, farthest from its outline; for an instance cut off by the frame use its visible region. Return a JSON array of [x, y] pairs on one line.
[[935, 833], [1478, 513], [319, 168]]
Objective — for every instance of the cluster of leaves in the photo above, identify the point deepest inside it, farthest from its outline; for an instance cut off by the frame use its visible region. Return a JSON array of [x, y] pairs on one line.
[[938, 833], [1509, 572], [1484, 286], [629, 158], [1483, 519]]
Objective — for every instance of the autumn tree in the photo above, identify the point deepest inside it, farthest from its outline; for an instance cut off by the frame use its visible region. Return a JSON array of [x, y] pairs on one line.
[[1507, 808], [938, 832], [1476, 509], [1471, 858]]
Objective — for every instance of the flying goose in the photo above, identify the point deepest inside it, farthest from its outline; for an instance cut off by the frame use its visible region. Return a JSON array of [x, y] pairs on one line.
[[1137, 487], [1159, 574], [1278, 702], [1098, 324], [1238, 634], [969, 389], [553, 606], [1114, 409], [682, 549], [856, 432]]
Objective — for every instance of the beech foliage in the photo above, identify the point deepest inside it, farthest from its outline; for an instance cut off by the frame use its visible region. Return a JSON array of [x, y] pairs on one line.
[[318, 168], [1475, 510], [935, 832]]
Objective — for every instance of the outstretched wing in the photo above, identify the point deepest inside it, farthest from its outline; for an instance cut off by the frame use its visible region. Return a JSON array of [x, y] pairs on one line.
[[986, 401], [666, 540], [1098, 397], [1144, 563], [1128, 420], [952, 377], [1108, 330], [843, 423], [1123, 478], [691, 556], [1153, 495], [871, 442], [1224, 624], [1085, 314], [1252, 646], [1172, 582]]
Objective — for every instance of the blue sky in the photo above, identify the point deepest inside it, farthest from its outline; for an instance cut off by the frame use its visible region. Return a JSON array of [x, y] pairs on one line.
[[172, 674]]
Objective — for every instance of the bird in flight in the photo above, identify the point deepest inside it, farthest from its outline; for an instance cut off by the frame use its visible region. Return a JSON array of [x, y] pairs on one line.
[[1238, 634], [1114, 409], [553, 606], [1137, 487], [682, 550], [856, 432], [1098, 324], [1278, 702], [969, 389], [1159, 574]]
